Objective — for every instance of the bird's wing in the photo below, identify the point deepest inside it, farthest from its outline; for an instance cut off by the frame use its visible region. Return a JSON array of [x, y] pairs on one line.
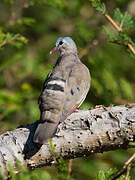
[[77, 87], [51, 103]]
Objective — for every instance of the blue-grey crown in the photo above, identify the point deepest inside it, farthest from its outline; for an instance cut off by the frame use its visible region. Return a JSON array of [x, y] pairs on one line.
[[66, 40]]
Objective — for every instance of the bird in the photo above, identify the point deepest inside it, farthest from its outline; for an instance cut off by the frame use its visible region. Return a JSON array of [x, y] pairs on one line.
[[64, 89]]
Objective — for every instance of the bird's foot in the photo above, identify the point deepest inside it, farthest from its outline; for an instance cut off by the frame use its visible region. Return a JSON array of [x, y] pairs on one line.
[[76, 110]]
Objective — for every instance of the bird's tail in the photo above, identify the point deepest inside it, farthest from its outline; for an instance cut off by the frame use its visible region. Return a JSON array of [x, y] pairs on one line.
[[46, 128]]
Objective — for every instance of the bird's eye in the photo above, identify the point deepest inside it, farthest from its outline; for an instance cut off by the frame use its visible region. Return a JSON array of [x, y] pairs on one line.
[[60, 43]]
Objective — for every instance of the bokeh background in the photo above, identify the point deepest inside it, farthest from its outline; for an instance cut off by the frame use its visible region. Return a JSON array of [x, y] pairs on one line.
[[28, 31]]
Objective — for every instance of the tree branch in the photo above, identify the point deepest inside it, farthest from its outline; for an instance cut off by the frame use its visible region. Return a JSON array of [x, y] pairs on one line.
[[83, 133]]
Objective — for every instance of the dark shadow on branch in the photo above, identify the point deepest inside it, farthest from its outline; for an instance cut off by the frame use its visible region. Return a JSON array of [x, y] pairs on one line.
[[31, 148]]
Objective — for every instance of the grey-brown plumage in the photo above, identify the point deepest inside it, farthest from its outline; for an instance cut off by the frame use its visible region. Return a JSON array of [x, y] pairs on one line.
[[64, 89]]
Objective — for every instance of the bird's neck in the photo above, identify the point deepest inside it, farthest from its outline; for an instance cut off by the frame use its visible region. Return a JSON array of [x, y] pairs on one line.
[[64, 64], [65, 52], [67, 59]]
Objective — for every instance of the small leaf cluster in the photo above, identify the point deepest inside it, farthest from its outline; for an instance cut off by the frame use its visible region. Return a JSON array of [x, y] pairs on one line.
[[108, 174], [126, 23], [13, 39], [25, 173], [125, 19], [98, 6]]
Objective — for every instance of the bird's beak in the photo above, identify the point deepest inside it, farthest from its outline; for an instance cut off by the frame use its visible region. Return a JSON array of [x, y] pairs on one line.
[[53, 50]]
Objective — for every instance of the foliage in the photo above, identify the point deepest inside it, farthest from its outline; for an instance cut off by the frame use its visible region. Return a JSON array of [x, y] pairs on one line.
[[126, 19], [121, 22], [109, 174], [28, 30], [98, 5], [27, 174], [8, 38]]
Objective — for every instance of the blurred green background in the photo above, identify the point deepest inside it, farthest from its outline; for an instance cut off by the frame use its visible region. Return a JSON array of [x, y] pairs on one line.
[[28, 31]]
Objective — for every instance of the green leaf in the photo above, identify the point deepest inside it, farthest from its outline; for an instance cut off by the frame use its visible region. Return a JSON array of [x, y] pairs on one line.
[[118, 16], [101, 175], [123, 38], [127, 21], [11, 172], [8, 36], [112, 36], [98, 6], [52, 147], [13, 39], [101, 8], [105, 175]]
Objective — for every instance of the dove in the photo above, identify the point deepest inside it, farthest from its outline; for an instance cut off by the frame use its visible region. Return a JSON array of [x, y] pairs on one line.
[[64, 89]]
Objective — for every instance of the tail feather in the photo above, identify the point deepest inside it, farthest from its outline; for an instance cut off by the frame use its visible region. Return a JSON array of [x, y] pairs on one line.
[[46, 127], [44, 131]]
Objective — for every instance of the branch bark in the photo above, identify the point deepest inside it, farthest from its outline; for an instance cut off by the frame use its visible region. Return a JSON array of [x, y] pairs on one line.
[[83, 133]]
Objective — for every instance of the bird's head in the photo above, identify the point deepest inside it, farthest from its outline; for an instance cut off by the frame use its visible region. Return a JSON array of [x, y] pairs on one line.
[[65, 45]]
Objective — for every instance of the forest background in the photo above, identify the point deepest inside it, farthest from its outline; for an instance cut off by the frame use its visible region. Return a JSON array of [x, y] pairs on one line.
[[28, 31]]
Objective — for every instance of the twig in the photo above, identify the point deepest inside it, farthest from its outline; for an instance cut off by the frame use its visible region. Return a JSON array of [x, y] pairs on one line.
[[119, 28], [3, 43], [129, 160], [131, 48], [6, 42], [121, 24], [128, 170], [113, 22], [125, 167], [69, 166]]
